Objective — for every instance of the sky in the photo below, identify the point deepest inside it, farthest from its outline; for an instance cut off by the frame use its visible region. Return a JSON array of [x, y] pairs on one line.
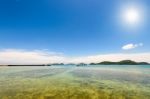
[[47, 31]]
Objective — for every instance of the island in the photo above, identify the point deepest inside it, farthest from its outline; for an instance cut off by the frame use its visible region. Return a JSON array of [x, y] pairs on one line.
[[123, 62]]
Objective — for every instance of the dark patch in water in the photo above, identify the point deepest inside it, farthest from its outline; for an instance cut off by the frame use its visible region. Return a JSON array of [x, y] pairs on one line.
[[112, 75], [36, 73]]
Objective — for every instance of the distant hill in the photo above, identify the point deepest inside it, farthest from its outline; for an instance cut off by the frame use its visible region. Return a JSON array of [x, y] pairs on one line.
[[123, 62]]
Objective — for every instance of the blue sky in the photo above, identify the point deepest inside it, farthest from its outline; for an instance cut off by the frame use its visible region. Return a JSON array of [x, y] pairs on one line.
[[72, 27]]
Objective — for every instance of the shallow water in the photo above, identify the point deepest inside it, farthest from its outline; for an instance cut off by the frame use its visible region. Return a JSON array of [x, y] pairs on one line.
[[68, 82]]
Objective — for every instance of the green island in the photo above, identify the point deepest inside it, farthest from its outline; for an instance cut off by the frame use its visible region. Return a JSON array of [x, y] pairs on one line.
[[123, 62]]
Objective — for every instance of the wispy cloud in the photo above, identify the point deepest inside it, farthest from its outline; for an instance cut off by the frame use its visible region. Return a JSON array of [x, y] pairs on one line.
[[13, 56], [114, 57], [131, 46]]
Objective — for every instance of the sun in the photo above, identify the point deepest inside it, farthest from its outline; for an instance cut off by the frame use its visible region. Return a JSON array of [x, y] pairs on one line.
[[132, 16]]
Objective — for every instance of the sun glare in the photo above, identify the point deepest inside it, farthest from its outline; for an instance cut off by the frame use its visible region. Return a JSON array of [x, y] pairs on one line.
[[132, 16]]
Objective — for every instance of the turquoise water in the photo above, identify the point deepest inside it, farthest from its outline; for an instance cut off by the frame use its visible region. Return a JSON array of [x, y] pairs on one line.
[[70, 82]]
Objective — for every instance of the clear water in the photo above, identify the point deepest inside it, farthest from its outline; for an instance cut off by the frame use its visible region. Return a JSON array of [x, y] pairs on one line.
[[70, 82]]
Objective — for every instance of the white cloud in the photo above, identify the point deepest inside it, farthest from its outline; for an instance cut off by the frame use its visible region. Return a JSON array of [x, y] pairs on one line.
[[131, 46], [12, 56], [145, 57]]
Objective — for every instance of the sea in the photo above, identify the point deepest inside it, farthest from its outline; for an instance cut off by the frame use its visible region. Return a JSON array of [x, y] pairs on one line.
[[72, 82]]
